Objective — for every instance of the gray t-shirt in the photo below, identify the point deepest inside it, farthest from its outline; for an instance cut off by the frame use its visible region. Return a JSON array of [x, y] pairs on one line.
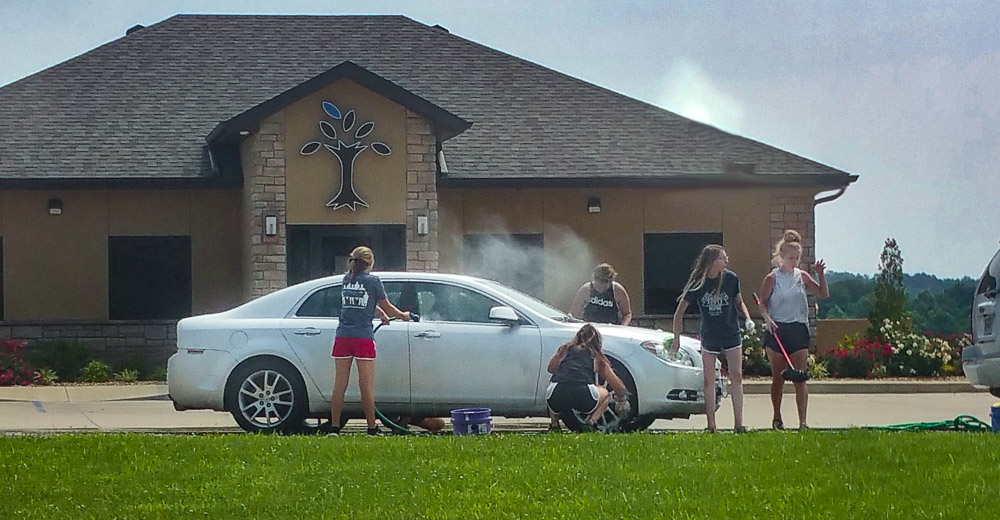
[[719, 326], [358, 297]]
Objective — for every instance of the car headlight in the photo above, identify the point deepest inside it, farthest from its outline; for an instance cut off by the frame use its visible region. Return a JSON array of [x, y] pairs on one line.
[[682, 357]]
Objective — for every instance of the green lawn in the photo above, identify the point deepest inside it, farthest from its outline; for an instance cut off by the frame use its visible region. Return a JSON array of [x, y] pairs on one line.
[[847, 474]]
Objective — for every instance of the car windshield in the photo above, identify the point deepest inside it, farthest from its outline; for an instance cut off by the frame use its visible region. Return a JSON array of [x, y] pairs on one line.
[[531, 302]]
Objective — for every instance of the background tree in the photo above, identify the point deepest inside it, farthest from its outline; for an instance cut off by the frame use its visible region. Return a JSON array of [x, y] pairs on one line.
[[889, 296]]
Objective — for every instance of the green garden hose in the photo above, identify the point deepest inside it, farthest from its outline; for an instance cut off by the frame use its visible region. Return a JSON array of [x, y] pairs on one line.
[[962, 423]]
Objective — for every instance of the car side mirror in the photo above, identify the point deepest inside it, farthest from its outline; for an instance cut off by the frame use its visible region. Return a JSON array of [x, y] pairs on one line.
[[504, 314]]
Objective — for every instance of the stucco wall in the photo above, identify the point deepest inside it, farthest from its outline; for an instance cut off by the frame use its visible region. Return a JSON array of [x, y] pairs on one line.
[[576, 241], [56, 266]]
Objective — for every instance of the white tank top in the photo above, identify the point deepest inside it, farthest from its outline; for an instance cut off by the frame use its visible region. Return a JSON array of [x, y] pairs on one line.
[[788, 303]]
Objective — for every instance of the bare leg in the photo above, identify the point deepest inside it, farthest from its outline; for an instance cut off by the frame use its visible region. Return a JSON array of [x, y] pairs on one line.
[[708, 383], [366, 381], [341, 376], [602, 405], [778, 364], [734, 359], [553, 420], [800, 361]]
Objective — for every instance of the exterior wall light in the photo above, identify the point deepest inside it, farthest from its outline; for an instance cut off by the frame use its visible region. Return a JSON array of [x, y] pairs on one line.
[[55, 206], [270, 225], [593, 204], [422, 225]]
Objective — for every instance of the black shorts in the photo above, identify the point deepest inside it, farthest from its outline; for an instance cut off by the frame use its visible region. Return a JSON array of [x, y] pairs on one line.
[[794, 336], [563, 397]]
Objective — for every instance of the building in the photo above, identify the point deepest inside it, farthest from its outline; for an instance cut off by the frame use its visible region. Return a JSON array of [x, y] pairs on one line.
[[206, 160]]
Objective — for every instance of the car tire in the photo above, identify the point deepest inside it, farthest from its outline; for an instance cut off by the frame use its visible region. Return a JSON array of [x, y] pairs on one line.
[[575, 420], [267, 395], [995, 391], [633, 422]]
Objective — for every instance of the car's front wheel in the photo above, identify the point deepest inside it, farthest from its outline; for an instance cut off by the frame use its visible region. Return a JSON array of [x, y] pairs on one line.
[[610, 421], [267, 395]]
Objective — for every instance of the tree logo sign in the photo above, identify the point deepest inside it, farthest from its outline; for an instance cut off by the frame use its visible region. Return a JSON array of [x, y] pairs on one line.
[[345, 153]]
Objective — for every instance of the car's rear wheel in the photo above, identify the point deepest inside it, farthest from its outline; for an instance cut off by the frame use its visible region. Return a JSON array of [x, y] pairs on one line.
[[267, 395], [995, 391]]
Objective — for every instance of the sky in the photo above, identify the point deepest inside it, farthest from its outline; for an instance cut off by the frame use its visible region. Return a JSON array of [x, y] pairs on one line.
[[902, 94]]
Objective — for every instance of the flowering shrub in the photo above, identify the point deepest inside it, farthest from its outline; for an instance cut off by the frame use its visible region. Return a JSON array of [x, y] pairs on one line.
[[903, 353], [14, 370], [857, 357], [755, 361]]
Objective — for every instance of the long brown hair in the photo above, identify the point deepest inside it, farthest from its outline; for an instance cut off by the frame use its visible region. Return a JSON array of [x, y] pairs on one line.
[[699, 271], [588, 338]]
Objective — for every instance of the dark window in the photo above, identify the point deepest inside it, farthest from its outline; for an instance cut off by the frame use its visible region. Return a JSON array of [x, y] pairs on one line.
[[513, 260], [668, 258], [324, 303], [440, 302], [149, 277]]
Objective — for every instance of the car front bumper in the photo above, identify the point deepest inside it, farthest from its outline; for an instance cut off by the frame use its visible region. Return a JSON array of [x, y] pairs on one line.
[[196, 380], [672, 391]]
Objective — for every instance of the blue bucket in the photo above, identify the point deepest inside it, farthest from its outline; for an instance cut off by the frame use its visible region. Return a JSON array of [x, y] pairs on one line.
[[466, 421], [995, 417]]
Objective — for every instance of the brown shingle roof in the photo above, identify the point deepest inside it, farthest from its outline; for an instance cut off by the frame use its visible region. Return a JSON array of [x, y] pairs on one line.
[[141, 106]]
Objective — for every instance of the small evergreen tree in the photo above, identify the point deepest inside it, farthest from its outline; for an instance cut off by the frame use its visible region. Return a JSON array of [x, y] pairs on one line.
[[889, 296]]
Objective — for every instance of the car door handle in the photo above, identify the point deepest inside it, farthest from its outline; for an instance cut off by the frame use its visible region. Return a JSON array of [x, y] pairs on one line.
[[308, 331], [428, 334]]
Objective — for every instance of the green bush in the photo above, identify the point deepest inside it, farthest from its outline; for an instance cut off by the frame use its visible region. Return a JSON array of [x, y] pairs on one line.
[[157, 374], [96, 372], [127, 376], [46, 376], [66, 358]]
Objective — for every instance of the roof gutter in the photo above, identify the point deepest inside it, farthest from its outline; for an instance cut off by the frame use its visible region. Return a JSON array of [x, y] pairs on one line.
[[831, 181]]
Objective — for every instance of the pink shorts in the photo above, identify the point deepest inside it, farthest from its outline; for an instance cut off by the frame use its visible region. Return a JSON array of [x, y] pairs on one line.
[[361, 348]]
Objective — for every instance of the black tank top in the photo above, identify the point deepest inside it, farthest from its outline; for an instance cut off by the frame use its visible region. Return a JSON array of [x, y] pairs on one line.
[[576, 367], [602, 307]]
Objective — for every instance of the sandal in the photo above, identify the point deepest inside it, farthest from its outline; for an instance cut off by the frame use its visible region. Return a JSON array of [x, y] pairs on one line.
[[777, 424]]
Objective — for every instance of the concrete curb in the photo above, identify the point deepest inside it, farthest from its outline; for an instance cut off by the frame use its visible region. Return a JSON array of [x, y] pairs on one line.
[[90, 393], [158, 392]]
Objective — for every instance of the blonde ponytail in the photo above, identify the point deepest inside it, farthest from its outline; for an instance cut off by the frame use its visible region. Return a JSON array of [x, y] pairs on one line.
[[791, 239]]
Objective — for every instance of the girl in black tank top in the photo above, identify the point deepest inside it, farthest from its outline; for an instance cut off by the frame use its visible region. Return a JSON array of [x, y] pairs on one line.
[[601, 306]]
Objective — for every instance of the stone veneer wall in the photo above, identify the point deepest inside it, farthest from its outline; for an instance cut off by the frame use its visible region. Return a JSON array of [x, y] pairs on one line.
[[151, 342], [265, 178], [421, 194]]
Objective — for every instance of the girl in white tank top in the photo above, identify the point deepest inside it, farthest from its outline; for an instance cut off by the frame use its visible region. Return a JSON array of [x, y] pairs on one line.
[[785, 309]]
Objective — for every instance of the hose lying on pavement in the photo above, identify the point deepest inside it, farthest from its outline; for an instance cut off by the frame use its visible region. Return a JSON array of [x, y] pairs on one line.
[[962, 423]]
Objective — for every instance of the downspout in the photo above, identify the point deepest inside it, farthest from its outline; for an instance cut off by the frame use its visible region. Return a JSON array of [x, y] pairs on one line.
[[830, 198]]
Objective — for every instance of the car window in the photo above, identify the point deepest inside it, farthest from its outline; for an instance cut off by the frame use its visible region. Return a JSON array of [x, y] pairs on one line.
[[441, 302], [324, 303]]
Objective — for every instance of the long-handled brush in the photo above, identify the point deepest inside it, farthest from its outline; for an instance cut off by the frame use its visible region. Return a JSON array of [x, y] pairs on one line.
[[790, 372]]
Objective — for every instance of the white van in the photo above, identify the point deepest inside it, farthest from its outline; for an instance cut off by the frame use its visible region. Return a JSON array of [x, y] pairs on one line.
[[981, 360]]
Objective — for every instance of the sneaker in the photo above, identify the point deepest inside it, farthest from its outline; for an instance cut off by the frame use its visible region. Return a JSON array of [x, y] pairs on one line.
[[374, 431], [803, 427], [777, 424], [740, 429], [333, 431]]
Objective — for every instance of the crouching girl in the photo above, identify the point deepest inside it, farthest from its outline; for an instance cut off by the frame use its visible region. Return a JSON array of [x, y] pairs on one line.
[[576, 368]]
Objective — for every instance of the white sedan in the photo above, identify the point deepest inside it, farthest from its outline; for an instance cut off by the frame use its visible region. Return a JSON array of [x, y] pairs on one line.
[[478, 344]]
